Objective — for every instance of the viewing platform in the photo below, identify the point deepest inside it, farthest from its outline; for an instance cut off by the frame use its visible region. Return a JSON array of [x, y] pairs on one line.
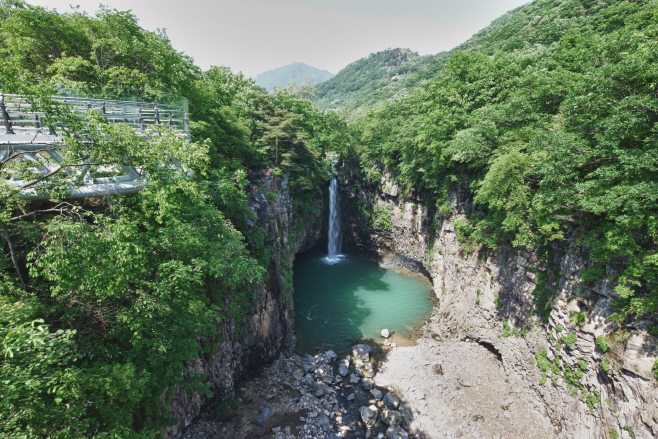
[[24, 136]]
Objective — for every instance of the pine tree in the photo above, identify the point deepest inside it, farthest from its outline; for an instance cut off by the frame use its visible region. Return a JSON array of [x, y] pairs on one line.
[[278, 126]]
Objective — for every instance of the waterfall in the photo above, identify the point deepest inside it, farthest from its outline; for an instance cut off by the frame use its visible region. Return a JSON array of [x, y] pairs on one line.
[[333, 251]]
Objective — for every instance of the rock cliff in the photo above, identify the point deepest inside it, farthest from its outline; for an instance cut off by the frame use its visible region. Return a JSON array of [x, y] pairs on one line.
[[256, 334], [530, 306]]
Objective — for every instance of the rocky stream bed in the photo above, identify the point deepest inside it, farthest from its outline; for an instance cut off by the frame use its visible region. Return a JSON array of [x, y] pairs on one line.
[[437, 389]]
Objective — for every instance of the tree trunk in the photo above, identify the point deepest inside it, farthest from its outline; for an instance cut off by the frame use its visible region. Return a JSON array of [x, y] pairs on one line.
[[14, 258]]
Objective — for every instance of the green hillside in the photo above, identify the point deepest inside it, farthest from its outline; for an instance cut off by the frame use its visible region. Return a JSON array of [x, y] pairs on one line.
[[376, 77], [549, 119], [296, 71], [389, 73]]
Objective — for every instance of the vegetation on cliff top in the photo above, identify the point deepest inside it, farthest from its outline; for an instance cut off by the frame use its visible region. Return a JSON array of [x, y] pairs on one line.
[[104, 301], [553, 125]]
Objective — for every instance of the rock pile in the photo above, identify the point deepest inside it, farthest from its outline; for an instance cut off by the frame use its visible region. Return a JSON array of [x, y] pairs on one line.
[[336, 404], [321, 396]]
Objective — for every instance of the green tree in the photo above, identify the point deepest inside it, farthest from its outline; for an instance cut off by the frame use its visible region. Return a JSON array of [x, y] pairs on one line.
[[278, 125]]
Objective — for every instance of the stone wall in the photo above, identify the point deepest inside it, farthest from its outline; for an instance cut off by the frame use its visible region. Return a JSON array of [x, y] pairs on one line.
[[491, 298], [267, 330]]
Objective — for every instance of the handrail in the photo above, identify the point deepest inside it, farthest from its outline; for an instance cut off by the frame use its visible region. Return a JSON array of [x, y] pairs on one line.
[[21, 130], [18, 116]]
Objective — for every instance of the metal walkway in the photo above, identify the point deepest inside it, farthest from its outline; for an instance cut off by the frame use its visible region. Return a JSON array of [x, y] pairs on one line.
[[24, 138]]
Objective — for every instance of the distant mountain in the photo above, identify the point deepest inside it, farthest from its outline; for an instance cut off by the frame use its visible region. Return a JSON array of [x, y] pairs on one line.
[[297, 71]]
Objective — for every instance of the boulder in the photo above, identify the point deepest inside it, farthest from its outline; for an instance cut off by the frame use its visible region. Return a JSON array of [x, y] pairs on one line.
[[354, 379], [369, 415], [362, 352], [406, 412], [322, 421], [392, 417], [391, 400], [261, 420], [327, 379], [385, 333], [343, 370], [321, 389], [377, 394], [367, 384], [369, 370], [396, 433]]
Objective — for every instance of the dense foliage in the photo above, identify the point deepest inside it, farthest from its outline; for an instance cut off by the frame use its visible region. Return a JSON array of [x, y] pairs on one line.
[[553, 126], [377, 77], [394, 72], [103, 301], [548, 117]]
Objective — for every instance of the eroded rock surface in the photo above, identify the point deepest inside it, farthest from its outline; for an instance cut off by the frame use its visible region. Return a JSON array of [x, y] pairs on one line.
[[268, 329], [498, 298], [471, 398]]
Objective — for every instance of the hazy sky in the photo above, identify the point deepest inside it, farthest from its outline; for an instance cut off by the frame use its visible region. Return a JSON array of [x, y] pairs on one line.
[[254, 36]]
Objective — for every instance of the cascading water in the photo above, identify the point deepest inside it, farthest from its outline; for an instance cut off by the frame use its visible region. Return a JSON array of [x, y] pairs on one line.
[[333, 250], [340, 298]]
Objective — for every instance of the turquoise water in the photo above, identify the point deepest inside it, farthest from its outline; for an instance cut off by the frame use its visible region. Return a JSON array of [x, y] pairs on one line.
[[339, 301]]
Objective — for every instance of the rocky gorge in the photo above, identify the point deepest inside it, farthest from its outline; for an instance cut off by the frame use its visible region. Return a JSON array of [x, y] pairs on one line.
[[592, 378], [258, 335], [518, 344]]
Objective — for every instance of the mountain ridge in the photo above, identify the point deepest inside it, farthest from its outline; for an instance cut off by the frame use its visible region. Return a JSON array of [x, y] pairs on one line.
[[535, 23], [297, 71]]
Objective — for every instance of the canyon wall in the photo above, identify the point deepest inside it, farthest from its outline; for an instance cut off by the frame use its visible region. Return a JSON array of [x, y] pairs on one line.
[[497, 298], [257, 333]]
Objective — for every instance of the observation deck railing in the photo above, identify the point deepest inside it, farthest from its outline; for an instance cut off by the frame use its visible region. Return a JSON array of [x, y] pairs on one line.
[[18, 117], [24, 136]]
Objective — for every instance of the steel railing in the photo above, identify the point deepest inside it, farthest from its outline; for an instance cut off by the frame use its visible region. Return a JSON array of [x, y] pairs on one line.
[[22, 131], [18, 116]]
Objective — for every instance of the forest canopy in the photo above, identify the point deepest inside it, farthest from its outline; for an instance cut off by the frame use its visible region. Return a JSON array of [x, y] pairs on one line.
[[547, 119], [104, 301]]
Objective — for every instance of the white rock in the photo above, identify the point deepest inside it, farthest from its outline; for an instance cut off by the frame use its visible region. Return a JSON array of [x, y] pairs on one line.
[[385, 333], [362, 352]]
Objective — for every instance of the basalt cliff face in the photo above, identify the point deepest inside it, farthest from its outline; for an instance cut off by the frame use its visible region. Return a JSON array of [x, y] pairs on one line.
[[256, 337], [493, 299]]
